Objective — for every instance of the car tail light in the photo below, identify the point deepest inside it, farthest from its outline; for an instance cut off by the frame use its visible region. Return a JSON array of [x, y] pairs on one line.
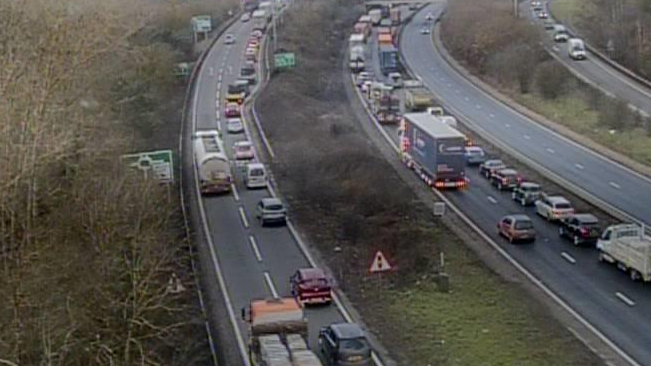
[[584, 232]]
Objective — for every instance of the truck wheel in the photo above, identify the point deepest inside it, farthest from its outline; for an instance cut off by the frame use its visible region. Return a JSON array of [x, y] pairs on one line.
[[635, 275]]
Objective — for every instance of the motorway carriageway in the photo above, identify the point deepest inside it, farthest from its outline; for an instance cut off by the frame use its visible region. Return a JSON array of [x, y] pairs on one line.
[[599, 177], [255, 262], [604, 296], [611, 81]]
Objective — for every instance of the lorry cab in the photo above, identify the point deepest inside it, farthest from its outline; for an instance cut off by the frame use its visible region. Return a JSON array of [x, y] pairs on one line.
[[576, 49], [256, 176]]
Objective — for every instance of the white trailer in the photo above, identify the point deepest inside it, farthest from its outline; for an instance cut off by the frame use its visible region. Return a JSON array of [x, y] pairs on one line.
[[629, 248], [211, 162], [260, 20]]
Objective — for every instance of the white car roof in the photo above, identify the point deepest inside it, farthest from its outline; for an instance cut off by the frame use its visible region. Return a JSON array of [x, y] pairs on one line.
[[243, 144]]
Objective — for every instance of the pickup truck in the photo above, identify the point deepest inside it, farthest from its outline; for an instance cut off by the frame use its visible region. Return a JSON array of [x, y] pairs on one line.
[[580, 228]]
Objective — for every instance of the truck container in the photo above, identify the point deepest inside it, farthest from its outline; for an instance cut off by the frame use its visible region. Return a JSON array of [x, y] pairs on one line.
[[627, 246], [434, 150], [212, 164], [388, 58], [260, 20], [385, 39], [356, 58], [396, 16], [418, 99], [375, 15], [278, 333]]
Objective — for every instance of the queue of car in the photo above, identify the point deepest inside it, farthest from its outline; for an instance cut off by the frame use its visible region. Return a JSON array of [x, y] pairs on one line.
[[560, 34]]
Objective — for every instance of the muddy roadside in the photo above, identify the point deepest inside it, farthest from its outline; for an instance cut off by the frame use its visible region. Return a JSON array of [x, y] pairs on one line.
[[343, 193]]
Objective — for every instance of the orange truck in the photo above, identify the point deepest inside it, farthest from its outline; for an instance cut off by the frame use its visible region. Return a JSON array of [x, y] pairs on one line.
[[278, 333]]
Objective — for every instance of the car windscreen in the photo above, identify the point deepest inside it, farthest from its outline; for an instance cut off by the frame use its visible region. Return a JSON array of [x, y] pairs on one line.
[[274, 207], [315, 282], [256, 172], [589, 223], [523, 225], [247, 71], [562, 206], [354, 344]]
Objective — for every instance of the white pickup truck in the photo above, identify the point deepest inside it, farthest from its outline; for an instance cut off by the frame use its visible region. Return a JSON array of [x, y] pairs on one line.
[[629, 248]]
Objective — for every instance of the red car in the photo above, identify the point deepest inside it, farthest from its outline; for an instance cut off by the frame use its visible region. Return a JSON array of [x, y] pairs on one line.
[[232, 110], [311, 286]]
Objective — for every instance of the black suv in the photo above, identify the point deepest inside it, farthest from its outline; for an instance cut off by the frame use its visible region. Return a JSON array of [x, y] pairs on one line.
[[580, 228], [344, 344]]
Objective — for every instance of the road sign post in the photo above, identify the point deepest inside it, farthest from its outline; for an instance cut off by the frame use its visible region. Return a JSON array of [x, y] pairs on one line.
[[158, 163]]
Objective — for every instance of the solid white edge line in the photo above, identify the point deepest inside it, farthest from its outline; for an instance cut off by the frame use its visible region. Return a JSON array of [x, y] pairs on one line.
[[270, 284], [625, 299], [254, 246], [204, 222], [506, 255], [245, 221], [568, 257]]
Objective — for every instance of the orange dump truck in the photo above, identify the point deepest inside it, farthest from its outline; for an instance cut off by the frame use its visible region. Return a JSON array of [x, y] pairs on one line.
[[278, 333]]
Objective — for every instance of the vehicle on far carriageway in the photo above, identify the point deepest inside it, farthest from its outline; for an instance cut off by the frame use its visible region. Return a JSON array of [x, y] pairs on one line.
[[434, 150]]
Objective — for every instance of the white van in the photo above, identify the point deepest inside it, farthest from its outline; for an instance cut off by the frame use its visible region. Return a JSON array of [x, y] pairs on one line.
[[576, 49], [256, 176]]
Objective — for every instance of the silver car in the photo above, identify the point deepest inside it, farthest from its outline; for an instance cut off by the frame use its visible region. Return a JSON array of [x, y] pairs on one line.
[[270, 210]]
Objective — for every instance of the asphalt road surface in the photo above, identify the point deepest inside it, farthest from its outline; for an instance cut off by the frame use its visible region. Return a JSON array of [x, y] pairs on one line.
[[604, 179], [598, 72], [593, 289], [235, 232]]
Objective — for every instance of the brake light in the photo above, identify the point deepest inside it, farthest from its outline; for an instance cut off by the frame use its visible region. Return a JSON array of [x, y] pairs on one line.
[[584, 232]]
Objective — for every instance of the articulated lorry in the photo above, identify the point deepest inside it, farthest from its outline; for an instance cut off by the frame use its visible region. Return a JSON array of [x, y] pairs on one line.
[[278, 333], [211, 162], [627, 246], [418, 99], [434, 150]]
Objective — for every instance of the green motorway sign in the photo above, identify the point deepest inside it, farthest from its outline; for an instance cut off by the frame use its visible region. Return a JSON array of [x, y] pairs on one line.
[[284, 60], [157, 164]]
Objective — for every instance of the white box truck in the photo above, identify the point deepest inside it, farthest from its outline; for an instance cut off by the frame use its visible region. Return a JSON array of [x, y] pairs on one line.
[[626, 246], [212, 164], [260, 20]]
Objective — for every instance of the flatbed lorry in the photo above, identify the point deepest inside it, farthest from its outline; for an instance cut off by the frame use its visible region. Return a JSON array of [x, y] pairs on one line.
[[278, 333], [434, 150], [627, 246]]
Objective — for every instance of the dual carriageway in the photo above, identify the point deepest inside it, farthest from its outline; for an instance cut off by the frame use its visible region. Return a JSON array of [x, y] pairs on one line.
[[255, 262]]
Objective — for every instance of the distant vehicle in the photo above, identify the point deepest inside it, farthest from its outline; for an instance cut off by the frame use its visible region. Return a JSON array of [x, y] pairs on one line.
[[245, 17], [310, 286], [256, 176], [434, 150], [629, 248], [366, 86], [278, 333], [260, 20], [234, 125], [560, 33], [395, 79], [242, 84], [517, 227], [243, 150], [248, 73], [388, 58], [553, 207], [526, 193], [505, 179], [257, 34], [543, 15], [580, 228], [549, 24], [429, 16], [418, 99], [235, 93], [232, 110], [424, 30], [270, 210], [474, 155], [357, 55], [490, 166], [576, 49], [376, 16], [362, 77], [536, 5], [345, 344], [213, 168], [229, 39]]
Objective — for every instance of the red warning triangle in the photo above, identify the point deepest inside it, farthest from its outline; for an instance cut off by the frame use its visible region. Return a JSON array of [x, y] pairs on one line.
[[380, 263]]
